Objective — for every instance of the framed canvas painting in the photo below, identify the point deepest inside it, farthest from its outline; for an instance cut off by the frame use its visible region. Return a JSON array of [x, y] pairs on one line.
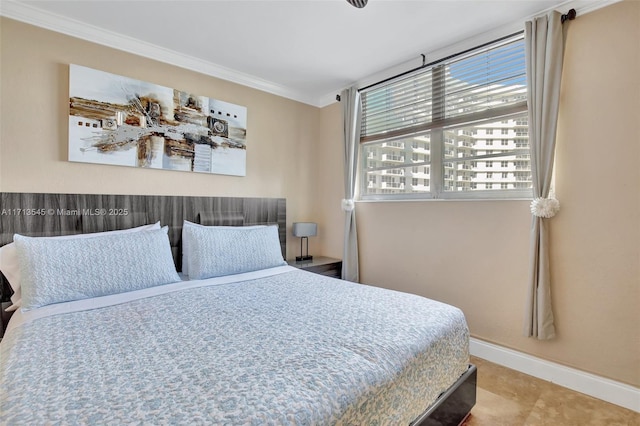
[[121, 121]]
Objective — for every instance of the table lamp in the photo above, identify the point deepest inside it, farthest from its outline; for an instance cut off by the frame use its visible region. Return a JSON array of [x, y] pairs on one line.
[[304, 230]]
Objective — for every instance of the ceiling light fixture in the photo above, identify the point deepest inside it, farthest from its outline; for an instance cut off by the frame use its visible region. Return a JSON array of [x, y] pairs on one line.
[[358, 3]]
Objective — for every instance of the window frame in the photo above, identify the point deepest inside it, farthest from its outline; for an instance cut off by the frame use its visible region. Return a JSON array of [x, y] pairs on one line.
[[436, 162]]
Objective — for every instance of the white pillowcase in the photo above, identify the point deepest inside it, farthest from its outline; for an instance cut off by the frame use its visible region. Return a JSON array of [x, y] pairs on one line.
[[187, 243], [216, 251], [58, 270], [10, 266]]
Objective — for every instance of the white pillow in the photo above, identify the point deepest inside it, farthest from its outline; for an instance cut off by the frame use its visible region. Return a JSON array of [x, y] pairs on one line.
[[58, 270], [187, 244], [219, 250], [10, 266]]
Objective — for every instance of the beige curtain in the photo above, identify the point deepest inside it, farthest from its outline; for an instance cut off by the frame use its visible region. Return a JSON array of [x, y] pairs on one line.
[[544, 56], [351, 112]]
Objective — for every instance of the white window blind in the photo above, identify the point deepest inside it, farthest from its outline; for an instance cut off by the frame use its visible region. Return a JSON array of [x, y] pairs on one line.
[[486, 82], [429, 133]]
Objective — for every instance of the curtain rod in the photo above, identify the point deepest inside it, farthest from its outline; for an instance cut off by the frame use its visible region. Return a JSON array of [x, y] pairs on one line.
[[570, 15], [424, 65]]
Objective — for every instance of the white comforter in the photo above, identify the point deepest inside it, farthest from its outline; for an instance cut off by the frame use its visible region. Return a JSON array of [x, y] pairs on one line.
[[280, 346]]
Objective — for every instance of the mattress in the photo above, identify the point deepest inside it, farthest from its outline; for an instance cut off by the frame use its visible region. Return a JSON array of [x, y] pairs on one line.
[[280, 346]]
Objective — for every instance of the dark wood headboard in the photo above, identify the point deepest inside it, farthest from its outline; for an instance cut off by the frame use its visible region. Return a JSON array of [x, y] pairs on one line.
[[45, 215]]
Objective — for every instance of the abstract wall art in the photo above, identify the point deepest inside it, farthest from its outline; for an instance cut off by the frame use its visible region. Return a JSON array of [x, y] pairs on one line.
[[121, 121]]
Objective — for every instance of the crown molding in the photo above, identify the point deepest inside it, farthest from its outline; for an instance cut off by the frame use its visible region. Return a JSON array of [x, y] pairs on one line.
[[31, 15], [582, 7], [34, 16]]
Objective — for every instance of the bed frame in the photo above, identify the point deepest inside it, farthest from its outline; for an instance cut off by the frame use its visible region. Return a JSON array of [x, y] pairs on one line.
[[454, 405], [45, 215], [42, 215]]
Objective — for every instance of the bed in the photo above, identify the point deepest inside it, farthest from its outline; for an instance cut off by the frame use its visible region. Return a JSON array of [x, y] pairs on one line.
[[236, 338]]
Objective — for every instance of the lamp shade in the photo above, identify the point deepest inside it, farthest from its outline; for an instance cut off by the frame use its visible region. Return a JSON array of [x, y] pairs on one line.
[[305, 229]]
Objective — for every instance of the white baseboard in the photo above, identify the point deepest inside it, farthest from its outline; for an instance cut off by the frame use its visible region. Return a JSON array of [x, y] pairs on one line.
[[598, 387]]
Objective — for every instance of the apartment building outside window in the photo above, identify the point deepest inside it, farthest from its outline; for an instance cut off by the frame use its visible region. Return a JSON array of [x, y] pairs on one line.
[[435, 124]]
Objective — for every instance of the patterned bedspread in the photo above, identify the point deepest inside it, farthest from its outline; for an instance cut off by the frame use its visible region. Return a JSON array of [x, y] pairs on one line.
[[294, 348]]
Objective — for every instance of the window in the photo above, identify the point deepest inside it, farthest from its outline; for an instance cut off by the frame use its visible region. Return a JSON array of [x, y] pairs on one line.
[[430, 126]]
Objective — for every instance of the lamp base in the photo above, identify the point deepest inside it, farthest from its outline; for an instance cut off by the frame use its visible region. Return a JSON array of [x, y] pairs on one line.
[[304, 258]]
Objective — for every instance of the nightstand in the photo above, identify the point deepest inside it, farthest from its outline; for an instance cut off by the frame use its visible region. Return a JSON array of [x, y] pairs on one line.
[[4, 317], [320, 265]]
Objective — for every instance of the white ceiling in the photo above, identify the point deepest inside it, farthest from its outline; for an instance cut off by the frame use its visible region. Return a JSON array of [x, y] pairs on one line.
[[303, 50]]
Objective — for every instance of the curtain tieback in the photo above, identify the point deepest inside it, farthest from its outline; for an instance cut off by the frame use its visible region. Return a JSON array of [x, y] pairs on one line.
[[348, 204], [545, 207]]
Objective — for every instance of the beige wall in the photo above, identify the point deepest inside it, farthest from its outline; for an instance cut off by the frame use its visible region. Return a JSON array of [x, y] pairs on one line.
[[281, 134], [474, 254]]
